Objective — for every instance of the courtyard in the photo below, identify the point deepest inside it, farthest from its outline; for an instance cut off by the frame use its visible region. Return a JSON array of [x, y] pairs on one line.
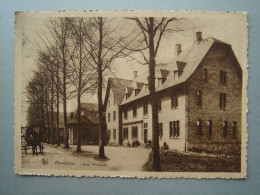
[[118, 158]]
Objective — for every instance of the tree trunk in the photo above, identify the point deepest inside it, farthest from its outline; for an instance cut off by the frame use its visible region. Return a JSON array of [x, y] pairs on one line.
[[52, 114], [58, 109], [79, 91], [42, 116], [154, 101], [47, 114], [100, 102], [78, 126], [66, 143]]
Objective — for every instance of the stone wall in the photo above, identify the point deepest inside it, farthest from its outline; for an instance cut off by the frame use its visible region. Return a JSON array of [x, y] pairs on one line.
[[220, 57]]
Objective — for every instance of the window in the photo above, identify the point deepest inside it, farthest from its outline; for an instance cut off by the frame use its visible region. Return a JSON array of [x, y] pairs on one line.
[[174, 101], [210, 128], [109, 134], [160, 129], [125, 114], [135, 132], [137, 91], [145, 109], [225, 128], [134, 112], [199, 128], [199, 98], [114, 115], [159, 105], [159, 81], [223, 77], [234, 129], [145, 133], [114, 133], [174, 128], [146, 87], [205, 75], [176, 75], [163, 80], [145, 125], [108, 117], [222, 100], [109, 103], [127, 95], [126, 133], [177, 129]]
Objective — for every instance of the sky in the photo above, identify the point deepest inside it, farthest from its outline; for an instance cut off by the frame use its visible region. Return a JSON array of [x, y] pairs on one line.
[[227, 27]]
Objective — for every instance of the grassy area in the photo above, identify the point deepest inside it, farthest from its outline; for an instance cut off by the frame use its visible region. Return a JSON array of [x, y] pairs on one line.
[[172, 161]]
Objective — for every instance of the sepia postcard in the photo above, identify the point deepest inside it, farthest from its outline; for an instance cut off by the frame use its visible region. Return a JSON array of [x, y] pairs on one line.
[[145, 94]]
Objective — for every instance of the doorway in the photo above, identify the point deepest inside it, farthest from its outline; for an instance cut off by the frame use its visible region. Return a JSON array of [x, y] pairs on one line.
[[145, 135]]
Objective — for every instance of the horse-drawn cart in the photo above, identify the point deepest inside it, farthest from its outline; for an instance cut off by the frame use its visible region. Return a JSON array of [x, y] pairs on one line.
[[32, 139]]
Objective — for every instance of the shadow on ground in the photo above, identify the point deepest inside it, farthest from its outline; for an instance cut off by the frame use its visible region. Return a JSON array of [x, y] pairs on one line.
[[89, 155]]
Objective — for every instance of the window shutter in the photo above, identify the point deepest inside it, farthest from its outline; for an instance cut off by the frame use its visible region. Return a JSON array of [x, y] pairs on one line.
[[170, 129], [176, 104], [178, 128]]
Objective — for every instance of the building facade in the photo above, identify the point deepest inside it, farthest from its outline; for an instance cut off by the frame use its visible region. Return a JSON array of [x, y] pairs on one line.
[[199, 98], [89, 131]]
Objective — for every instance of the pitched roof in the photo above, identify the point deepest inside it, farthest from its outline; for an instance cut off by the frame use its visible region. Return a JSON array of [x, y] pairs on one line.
[[89, 114], [191, 58], [118, 87]]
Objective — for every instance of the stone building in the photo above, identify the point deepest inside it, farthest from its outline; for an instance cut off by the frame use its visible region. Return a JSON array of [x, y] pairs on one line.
[[200, 101]]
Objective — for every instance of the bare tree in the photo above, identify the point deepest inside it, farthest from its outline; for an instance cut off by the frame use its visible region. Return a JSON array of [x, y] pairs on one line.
[[59, 30], [103, 49], [35, 98], [152, 30], [82, 74]]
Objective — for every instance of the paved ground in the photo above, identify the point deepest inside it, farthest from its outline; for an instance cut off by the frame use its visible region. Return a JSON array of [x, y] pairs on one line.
[[119, 158]]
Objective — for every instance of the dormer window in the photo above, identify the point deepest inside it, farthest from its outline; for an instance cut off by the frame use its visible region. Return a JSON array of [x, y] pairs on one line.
[[137, 91], [159, 81], [162, 76], [127, 92], [163, 80], [176, 75], [127, 95], [146, 87]]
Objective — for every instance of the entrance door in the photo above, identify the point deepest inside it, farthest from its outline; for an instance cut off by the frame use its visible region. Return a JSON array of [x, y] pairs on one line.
[[145, 135]]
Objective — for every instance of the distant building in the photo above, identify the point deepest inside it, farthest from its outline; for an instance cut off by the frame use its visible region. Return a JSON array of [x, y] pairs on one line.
[[115, 93], [199, 96], [88, 126]]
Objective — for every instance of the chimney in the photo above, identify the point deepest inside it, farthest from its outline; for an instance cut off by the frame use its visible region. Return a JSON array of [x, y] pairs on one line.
[[198, 37], [135, 74], [178, 49]]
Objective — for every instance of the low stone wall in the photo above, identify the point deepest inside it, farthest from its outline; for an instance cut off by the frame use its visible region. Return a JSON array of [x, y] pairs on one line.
[[233, 148]]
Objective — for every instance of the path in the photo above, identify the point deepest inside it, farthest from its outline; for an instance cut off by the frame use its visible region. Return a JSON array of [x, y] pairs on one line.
[[120, 158]]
